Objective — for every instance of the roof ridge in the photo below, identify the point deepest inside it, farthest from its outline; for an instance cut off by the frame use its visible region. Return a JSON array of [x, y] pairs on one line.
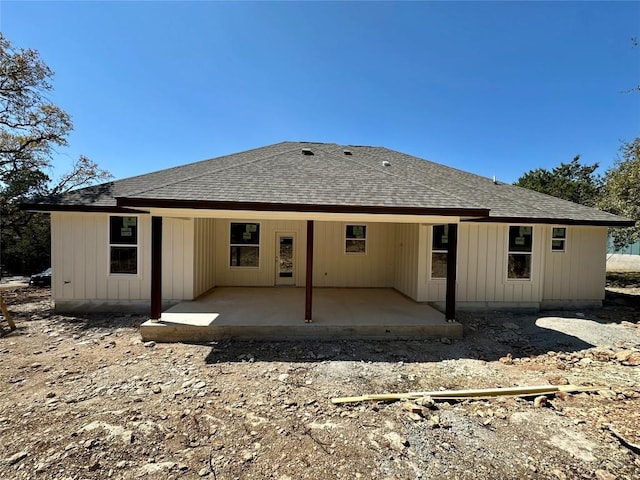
[[247, 162], [396, 175]]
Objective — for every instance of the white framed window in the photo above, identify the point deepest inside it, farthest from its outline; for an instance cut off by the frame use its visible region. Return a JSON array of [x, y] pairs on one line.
[[123, 245], [520, 251], [439, 248], [244, 244], [558, 239], [355, 239]]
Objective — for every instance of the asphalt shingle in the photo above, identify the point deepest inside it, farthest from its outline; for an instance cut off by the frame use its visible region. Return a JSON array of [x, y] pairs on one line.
[[369, 177]]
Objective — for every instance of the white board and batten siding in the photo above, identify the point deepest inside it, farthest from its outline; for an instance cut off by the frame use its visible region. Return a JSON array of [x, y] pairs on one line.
[[332, 267], [80, 262], [204, 258]]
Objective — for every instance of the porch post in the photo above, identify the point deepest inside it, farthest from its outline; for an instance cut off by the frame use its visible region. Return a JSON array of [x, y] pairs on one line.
[[308, 298], [452, 260], [156, 267]]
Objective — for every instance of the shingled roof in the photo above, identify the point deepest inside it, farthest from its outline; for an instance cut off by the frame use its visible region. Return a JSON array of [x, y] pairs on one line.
[[326, 177]]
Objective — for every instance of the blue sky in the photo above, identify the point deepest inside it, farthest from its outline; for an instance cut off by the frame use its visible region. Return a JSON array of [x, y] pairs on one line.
[[492, 88]]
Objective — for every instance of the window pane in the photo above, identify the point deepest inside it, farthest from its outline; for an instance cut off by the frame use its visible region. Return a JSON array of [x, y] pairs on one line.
[[438, 265], [355, 246], [244, 257], [519, 266], [245, 233], [557, 245], [440, 237], [123, 230], [124, 260], [559, 233], [356, 231], [520, 239]]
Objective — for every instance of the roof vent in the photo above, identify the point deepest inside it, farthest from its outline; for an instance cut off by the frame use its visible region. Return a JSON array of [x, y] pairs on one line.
[[386, 163], [348, 152], [307, 151]]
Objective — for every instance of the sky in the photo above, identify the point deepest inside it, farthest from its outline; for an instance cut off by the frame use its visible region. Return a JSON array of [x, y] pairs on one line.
[[494, 88]]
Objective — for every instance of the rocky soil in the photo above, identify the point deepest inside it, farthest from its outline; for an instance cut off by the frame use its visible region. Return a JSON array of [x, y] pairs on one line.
[[85, 398]]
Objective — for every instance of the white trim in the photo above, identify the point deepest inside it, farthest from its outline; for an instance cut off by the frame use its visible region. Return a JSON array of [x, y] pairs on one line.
[[563, 239], [138, 273], [229, 245], [533, 242], [365, 239], [432, 251]]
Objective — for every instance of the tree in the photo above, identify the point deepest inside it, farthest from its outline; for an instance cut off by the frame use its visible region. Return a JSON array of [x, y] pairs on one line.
[[31, 129], [570, 181], [621, 194]]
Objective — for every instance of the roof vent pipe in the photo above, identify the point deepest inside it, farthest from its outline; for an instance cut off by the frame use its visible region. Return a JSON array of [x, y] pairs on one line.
[[495, 182], [307, 151], [386, 163], [348, 152]]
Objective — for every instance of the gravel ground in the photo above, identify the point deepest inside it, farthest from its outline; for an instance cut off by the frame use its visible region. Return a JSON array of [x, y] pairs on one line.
[[84, 398]]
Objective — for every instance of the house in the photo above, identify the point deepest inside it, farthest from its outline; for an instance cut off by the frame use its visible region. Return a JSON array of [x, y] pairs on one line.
[[323, 215]]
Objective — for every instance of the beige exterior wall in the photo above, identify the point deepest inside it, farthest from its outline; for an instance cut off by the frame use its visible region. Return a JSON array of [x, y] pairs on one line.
[[332, 267], [80, 260], [407, 259], [482, 267], [265, 274], [204, 258], [196, 258], [578, 273], [335, 268]]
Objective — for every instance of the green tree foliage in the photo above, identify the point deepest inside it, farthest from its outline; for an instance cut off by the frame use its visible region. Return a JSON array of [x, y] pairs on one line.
[[31, 129], [570, 181], [621, 193]]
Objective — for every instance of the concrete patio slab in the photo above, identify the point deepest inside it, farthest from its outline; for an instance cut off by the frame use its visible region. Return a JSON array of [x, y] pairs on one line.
[[278, 314]]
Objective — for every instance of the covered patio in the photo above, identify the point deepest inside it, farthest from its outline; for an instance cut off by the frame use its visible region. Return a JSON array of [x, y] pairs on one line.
[[264, 313]]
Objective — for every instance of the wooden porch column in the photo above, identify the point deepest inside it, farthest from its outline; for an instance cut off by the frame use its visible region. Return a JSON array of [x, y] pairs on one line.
[[452, 261], [308, 298], [156, 267]]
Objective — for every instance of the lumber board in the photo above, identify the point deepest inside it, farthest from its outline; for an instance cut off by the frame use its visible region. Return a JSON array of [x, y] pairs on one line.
[[478, 393], [7, 315]]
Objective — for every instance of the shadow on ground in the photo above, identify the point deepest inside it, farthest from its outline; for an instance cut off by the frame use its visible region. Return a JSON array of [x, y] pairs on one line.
[[484, 339]]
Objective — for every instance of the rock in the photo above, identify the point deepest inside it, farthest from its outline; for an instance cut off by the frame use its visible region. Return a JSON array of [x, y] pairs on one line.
[[153, 468], [199, 385], [558, 381], [508, 360], [15, 458], [282, 377], [416, 417], [247, 456], [585, 362], [427, 402], [156, 389], [412, 407], [203, 472], [446, 340], [93, 466], [560, 475], [434, 421], [396, 441], [604, 475], [633, 359], [540, 401], [149, 344], [51, 394], [622, 355], [511, 326]]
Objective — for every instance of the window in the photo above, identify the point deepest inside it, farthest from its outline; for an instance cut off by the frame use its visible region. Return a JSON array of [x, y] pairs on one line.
[[244, 245], [439, 246], [123, 245], [355, 239], [558, 239], [520, 248]]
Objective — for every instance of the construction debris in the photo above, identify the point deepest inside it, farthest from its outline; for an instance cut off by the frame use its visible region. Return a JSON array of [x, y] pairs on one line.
[[469, 394]]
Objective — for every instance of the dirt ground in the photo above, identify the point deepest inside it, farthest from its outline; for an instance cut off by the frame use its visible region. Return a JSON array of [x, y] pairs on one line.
[[85, 398]]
